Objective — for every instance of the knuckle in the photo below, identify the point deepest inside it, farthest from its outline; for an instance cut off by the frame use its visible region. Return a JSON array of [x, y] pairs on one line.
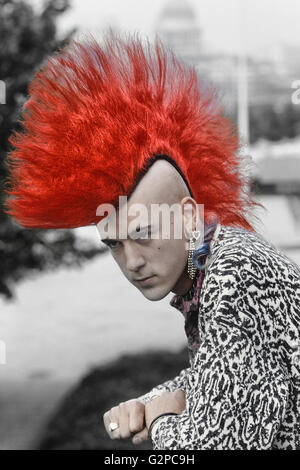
[[114, 410], [137, 405], [134, 403], [136, 408]]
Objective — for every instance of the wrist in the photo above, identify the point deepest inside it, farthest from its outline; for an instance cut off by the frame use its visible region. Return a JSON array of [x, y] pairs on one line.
[[156, 419]]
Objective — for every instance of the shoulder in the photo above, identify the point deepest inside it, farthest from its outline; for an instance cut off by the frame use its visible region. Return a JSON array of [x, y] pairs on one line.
[[248, 279], [238, 250]]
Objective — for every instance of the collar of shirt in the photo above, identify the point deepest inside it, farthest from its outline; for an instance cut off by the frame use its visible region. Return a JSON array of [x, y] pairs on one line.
[[189, 302]]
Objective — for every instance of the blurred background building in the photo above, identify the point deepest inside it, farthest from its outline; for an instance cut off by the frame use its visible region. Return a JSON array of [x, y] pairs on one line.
[[273, 144]]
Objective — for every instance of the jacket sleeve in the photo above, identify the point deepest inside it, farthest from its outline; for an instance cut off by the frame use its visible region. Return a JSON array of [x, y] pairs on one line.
[[179, 382], [236, 392]]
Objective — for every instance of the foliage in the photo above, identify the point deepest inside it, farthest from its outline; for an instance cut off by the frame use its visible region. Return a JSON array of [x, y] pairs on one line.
[[27, 37]]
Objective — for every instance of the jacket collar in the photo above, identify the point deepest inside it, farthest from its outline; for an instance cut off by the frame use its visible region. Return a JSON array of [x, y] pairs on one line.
[[190, 300]]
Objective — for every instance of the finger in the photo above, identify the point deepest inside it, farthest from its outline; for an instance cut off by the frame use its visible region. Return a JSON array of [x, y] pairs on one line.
[[140, 436], [136, 417], [124, 421], [106, 421], [114, 418]]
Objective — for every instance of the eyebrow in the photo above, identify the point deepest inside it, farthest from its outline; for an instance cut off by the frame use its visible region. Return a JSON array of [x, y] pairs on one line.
[[107, 240]]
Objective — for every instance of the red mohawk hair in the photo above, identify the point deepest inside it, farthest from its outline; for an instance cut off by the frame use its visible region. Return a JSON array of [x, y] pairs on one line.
[[98, 113]]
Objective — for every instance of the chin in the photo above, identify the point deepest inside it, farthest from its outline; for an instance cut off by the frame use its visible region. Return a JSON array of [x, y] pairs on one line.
[[153, 294]]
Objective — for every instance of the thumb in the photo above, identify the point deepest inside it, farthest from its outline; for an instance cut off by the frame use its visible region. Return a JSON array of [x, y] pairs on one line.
[[140, 436]]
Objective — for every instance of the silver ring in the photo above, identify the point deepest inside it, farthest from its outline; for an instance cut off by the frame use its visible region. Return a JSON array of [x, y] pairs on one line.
[[113, 426]]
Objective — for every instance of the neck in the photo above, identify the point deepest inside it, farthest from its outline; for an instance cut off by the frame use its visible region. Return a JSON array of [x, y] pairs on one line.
[[183, 284]]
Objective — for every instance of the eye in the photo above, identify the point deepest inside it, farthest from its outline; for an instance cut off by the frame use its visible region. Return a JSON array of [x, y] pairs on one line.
[[144, 236], [112, 244]]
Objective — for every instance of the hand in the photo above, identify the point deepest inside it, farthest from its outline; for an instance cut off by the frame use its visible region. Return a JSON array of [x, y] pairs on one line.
[[173, 402], [130, 416]]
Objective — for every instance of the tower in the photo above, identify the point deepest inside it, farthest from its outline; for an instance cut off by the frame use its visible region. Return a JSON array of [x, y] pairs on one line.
[[178, 28]]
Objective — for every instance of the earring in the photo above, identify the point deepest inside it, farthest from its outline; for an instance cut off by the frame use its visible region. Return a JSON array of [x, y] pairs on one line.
[[191, 267]]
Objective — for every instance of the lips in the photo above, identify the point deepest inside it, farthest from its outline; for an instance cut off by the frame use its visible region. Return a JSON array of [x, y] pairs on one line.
[[143, 278], [146, 281]]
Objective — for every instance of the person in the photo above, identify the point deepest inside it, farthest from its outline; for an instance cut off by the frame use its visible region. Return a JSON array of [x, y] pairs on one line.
[[128, 119]]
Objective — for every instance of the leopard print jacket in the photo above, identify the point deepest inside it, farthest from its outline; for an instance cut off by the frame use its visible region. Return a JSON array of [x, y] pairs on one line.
[[242, 320]]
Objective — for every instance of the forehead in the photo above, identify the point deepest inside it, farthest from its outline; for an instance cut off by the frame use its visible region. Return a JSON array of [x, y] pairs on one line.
[[135, 217], [121, 222]]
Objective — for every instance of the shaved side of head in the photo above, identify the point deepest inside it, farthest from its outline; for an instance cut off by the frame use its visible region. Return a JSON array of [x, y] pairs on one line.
[[161, 184]]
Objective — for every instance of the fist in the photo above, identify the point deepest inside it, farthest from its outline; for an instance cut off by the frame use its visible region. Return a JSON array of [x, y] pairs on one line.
[[167, 402], [130, 417]]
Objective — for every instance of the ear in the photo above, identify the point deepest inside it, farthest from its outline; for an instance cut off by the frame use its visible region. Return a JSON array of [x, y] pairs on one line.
[[190, 214]]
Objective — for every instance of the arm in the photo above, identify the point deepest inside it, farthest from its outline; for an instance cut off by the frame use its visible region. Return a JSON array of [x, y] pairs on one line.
[[131, 414], [179, 382], [236, 393]]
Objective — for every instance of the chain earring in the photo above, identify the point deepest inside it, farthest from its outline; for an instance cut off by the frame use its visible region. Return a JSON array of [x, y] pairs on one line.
[[192, 244]]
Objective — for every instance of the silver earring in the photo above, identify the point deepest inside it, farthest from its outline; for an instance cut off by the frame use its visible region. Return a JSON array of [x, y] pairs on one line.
[[191, 267]]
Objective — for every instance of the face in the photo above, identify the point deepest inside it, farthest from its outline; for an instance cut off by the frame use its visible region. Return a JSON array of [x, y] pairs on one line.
[[153, 263]]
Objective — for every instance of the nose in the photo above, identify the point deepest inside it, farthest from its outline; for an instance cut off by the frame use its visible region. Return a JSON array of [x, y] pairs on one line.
[[133, 256]]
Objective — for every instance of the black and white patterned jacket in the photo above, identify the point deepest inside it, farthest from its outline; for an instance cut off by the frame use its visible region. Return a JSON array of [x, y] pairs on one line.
[[243, 385]]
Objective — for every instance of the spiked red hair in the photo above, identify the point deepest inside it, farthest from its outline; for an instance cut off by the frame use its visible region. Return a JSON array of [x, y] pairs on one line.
[[97, 115]]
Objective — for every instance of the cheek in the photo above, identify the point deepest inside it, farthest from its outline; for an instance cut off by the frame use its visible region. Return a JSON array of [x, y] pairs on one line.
[[171, 254], [120, 262]]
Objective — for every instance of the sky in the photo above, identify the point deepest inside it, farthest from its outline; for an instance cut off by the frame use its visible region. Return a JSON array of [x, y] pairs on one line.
[[264, 23]]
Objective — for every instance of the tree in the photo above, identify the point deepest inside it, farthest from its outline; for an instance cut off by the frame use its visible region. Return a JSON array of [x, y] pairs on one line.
[[27, 37]]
